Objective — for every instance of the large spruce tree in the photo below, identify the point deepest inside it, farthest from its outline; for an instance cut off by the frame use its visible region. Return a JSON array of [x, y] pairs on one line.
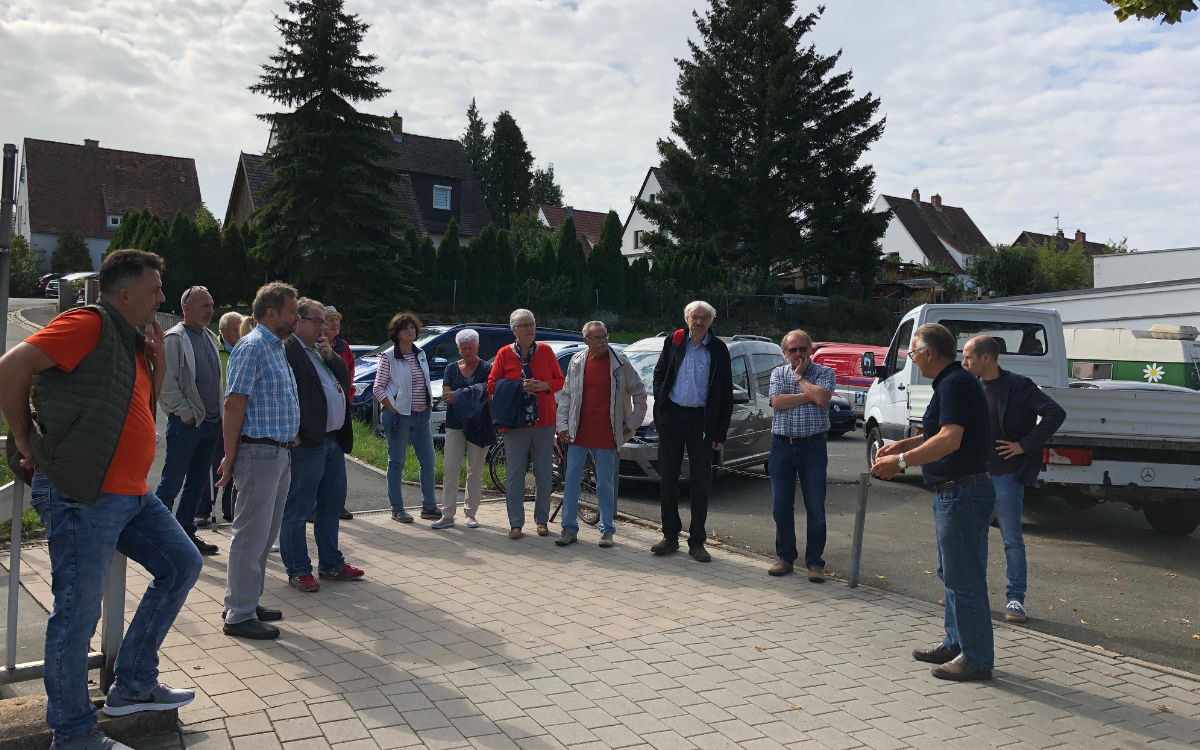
[[326, 223], [509, 174], [543, 190], [766, 158], [476, 143]]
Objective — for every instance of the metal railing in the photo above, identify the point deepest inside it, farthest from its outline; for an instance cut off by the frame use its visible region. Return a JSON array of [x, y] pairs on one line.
[[112, 619]]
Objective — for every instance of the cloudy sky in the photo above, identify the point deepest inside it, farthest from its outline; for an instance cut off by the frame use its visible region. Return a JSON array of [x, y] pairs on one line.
[[1017, 110]]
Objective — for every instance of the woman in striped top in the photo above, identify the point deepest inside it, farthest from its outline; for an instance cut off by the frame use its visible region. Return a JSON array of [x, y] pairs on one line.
[[402, 390]]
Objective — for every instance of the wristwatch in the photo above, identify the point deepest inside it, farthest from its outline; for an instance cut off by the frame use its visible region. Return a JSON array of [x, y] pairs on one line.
[[903, 463]]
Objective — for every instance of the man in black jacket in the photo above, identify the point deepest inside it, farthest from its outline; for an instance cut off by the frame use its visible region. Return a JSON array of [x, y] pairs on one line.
[[1014, 405], [693, 401], [318, 463]]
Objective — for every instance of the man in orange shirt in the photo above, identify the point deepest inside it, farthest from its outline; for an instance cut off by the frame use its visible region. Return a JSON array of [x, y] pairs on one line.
[[79, 397]]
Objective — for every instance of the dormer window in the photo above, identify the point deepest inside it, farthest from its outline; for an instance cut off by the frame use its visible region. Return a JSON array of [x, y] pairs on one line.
[[441, 197], [114, 221]]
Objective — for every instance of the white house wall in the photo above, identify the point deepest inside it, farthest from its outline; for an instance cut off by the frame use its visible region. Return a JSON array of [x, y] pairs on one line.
[[639, 223], [1146, 267], [896, 240]]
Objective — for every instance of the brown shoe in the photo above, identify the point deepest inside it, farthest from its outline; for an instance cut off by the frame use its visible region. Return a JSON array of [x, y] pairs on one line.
[[699, 554], [543, 530], [665, 546], [780, 568], [939, 654], [816, 575], [514, 532], [959, 670], [345, 515]]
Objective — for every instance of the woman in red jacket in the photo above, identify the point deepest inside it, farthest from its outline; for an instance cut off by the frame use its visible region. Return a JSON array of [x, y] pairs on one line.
[[535, 365]]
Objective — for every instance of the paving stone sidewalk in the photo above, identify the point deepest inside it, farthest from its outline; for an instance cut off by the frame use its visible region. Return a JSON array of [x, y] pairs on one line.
[[463, 638]]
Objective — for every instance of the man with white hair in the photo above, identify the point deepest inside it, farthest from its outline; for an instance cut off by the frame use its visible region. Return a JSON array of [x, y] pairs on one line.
[[693, 401], [191, 398]]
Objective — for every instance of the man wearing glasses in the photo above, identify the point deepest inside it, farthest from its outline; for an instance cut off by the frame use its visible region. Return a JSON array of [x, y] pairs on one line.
[[191, 398], [952, 451], [799, 394], [693, 401], [318, 486]]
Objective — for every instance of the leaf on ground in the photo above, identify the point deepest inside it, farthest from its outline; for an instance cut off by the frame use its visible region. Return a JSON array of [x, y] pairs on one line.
[[1098, 647], [1107, 674], [760, 648], [797, 708], [882, 578], [1164, 708], [1197, 636], [1184, 621], [1084, 622], [929, 572]]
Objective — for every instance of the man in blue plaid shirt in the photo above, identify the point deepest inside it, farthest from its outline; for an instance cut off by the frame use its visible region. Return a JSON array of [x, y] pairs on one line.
[[799, 393]]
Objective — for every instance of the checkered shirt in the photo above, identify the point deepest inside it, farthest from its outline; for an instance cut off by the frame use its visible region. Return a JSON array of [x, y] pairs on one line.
[[258, 368], [804, 420]]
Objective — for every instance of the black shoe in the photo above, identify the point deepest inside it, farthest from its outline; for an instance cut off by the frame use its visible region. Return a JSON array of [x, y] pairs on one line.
[[252, 629], [202, 523], [939, 654], [268, 615], [959, 670], [432, 515], [665, 547], [311, 519], [699, 554], [204, 548], [345, 515]]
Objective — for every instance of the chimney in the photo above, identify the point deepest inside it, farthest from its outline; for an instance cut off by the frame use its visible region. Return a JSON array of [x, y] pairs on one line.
[[936, 200], [397, 123], [916, 196], [91, 143], [1080, 237]]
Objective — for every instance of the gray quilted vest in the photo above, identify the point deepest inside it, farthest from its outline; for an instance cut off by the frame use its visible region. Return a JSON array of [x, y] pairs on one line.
[[78, 416]]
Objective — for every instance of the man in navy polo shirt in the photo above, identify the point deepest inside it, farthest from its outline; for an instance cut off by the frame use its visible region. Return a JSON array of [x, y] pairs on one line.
[[952, 451]]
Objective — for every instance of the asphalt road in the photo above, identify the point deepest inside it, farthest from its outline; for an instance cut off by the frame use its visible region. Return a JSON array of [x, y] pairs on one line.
[[1101, 577]]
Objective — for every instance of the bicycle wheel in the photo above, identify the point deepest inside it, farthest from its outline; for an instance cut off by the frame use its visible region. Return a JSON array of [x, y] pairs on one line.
[[589, 502], [498, 470]]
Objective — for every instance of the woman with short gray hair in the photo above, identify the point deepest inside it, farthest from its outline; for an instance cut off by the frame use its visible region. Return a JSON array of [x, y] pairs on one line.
[[536, 367], [462, 376]]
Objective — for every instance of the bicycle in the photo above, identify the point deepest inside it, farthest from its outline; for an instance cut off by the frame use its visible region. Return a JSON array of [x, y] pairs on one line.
[[589, 507]]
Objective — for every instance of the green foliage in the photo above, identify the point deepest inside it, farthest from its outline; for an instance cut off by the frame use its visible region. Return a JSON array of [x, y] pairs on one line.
[[607, 265], [476, 143], [71, 253], [544, 191], [508, 174], [427, 256], [450, 264], [1020, 269], [25, 267], [569, 252], [1118, 248], [1063, 270], [526, 232], [767, 160], [1165, 11], [326, 223]]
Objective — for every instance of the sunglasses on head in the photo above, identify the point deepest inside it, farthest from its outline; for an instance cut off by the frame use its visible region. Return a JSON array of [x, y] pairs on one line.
[[192, 290]]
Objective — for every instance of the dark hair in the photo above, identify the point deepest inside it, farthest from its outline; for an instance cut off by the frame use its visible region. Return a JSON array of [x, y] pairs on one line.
[[399, 322], [985, 344], [121, 267], [304, 303], [271, 297], [938, 339]]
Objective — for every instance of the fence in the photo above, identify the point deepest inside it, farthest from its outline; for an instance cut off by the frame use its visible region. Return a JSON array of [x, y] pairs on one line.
[[112, 619]]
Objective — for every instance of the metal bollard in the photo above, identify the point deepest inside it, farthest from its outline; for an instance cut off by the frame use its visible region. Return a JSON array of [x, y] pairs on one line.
[[860, 519]]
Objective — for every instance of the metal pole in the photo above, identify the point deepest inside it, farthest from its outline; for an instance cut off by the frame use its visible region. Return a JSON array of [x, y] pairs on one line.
[[860, 519], [112, 630], [14, 573], [6, 204]]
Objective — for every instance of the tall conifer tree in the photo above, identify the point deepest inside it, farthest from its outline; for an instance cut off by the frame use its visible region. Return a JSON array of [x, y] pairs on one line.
[[509, 173], [476, 143], [326, 223], [767, 149]]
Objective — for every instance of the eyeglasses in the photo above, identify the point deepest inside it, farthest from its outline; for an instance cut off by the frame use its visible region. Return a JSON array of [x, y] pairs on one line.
[[318, 321], [192, 290], [598, 337], [524, 325], [796, 349]]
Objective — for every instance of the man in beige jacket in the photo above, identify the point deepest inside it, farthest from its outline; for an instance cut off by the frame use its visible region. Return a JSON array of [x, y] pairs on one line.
[[600, 405]]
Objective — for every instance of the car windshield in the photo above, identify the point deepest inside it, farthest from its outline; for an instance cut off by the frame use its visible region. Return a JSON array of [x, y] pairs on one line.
[[644, 362]]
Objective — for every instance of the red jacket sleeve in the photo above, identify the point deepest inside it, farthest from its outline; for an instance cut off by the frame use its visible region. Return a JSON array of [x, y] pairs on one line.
[[505, 367]]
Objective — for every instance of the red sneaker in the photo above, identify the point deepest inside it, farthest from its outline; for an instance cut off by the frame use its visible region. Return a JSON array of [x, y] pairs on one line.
[[345, 573], [305, 583]]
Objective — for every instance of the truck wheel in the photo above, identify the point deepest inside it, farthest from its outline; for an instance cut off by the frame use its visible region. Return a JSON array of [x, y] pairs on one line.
[[1174, 517], [874, 443]]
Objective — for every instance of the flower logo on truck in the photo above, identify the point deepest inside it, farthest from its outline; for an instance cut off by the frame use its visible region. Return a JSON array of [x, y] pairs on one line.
[[1153, 372]]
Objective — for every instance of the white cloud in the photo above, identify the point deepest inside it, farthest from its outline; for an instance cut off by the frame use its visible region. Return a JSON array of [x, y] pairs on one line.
[[1015, 110]]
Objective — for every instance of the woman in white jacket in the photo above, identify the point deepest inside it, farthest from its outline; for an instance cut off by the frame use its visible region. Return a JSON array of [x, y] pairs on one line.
[[600, 405], [402, 390]]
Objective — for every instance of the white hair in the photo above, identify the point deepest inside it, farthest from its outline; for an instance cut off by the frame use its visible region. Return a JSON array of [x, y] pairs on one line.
[[687, 309], [231, 318], [519, 316], [466, 336], [592, 324]]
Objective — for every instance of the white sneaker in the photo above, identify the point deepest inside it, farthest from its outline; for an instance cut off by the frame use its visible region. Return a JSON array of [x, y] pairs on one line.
[[1015, 612], [274, 547], [442, 523], [472, 523]]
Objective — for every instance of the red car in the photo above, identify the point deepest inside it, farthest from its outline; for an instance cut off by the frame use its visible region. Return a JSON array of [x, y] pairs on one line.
[[846, 361]]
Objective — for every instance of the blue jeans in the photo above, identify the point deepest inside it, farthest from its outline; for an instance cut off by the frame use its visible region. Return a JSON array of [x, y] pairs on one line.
[[82, 541], [606, 495], [1010, 499], [188, 464], [318, 488], [400, 430], [807, 461], [961, 517]]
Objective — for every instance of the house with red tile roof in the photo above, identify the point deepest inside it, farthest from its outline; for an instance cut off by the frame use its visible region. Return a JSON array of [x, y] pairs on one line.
[[434, 183], [587, 223], [89, 189], [929, 232]]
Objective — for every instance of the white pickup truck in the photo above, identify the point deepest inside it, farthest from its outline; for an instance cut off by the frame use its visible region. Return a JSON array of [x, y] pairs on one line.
[[1137, 446]]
